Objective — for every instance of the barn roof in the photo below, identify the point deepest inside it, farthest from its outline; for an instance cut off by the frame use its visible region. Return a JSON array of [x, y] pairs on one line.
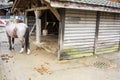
[[95, 5], [108, 3]]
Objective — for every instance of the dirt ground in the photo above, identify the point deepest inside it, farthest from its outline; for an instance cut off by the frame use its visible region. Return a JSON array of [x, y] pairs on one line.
[[44, 65]]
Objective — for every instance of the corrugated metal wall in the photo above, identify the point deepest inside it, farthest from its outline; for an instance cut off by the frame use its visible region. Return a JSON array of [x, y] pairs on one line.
[[109, 33], [84, 35], [79, 33]]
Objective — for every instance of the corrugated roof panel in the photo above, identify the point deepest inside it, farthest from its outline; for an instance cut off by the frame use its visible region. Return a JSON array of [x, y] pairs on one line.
[[97, 2]]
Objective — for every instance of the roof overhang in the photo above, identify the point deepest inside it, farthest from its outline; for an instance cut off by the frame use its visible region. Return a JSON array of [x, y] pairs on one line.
[[32, 5], [73, 5]]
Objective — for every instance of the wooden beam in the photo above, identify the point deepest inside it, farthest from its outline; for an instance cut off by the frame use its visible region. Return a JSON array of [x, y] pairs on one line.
[[47, 1], [25, 18], [42, 1], [32, 29], [38, 8], [96, 31], [33, 2], [61, 32], [53, 10], [15, 3]]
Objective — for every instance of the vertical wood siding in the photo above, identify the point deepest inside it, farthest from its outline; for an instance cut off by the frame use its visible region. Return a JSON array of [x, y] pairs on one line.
[[109, 33], [79, 33]]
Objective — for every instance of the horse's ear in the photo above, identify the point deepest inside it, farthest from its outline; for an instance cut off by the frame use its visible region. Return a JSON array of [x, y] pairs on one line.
[[7, 22]]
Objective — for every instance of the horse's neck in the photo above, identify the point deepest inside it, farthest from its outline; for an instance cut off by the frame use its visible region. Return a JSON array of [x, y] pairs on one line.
[[8, 23]]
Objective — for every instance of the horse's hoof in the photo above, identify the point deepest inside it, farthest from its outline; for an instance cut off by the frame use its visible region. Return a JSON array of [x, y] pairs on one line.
[[10, 48], [21, 51], [28, 52], [13, 48]]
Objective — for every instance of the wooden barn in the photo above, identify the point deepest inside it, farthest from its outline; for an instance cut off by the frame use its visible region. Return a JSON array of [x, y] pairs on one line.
[[81, 27]]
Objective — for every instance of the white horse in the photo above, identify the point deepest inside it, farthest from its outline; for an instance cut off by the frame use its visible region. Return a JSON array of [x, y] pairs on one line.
[[21, 31]]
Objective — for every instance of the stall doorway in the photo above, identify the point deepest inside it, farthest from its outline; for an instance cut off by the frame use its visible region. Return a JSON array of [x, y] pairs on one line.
[[50, 31]]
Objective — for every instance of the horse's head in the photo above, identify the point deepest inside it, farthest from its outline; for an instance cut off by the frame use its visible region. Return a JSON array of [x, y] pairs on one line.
[[7, 23]]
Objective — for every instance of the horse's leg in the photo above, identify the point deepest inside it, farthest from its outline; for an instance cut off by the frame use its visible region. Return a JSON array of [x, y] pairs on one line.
[[13, 43], [9, 38], [28, 49], [22, 47]]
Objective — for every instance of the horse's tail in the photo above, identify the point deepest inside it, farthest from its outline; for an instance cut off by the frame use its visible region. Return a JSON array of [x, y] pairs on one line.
[[27, 39]]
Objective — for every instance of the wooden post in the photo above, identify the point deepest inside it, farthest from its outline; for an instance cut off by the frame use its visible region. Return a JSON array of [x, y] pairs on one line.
[[97, 31], [46, 20], [25, 18], [38, 26], [61, 31]]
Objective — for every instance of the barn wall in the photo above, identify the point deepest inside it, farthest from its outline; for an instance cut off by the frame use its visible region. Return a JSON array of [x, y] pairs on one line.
[[109, 33], [80, 33]]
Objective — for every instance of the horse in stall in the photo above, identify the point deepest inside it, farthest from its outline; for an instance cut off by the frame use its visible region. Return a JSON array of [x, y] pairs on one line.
[[21, 31]]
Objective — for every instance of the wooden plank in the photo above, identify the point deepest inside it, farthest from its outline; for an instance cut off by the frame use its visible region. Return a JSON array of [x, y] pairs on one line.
[[77, 45], [79, 40], [32, 29], [108, 25], [37, 8], [14, 4], [78, 29], [80, 15], [79, 37], [81, 46], [97, 31], [80, 11], [112, 38], [76, 39], [55, 12], [52, 9], [80, 32], [80, 26], [61, 32]]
